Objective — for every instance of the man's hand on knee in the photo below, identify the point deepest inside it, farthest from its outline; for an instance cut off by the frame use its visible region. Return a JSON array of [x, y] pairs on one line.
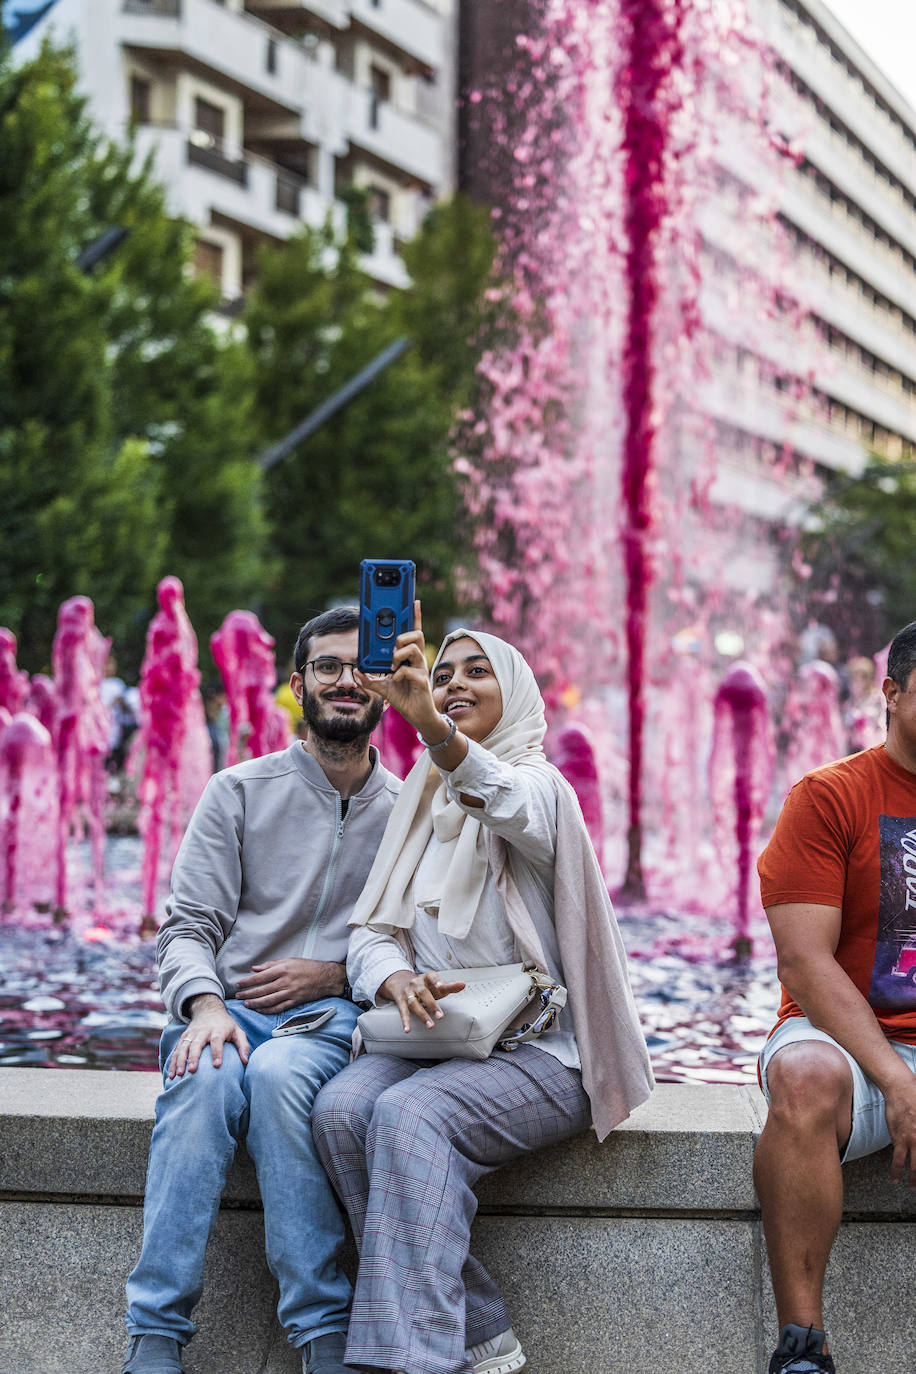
[[900, 1112], [211, 1025]]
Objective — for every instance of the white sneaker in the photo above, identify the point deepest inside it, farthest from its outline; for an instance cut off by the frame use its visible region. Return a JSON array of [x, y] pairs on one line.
[[500, 1355]]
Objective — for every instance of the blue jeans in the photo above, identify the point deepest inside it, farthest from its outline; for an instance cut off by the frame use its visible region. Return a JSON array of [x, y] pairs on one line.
[[199, 1119]]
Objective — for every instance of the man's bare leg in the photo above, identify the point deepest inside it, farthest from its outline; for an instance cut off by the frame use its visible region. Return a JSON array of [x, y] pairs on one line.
[[798, 1176]]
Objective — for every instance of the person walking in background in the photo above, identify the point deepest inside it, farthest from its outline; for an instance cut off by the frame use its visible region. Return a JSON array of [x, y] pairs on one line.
[[839, 1068], [251, 966]]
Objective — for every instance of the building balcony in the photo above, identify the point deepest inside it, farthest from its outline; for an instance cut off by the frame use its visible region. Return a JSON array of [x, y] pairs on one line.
[[292, 14], [236, 50], [831, 82], [403, 141], [410, 25]]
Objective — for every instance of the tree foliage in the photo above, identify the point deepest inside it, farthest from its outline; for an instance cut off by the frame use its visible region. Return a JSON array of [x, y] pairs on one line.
[[861, 553], [125, 428], [377, 479]]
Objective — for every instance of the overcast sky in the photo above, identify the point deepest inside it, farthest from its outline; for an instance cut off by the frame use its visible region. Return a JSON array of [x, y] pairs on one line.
[[886, 29]]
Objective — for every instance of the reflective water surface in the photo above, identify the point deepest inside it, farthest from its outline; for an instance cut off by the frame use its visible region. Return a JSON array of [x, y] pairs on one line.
[[85, 995]]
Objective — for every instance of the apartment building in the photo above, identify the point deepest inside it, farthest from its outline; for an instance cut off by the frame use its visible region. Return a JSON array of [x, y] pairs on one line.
[[834, 228], [262, 114], [846, 217]]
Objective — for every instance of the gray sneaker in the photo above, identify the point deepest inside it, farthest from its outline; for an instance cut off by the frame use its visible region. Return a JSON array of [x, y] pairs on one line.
[[500, 1355], [325, 1354], [153, 1355]]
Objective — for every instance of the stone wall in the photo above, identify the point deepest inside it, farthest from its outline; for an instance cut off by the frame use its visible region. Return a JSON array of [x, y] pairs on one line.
[[644, 1253]]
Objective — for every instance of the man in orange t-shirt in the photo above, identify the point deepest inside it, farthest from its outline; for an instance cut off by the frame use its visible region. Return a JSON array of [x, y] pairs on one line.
[[838, 880]]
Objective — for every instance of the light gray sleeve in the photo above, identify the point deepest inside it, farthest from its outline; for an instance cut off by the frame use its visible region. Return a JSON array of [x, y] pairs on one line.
[[204, 900], [519, 801], [371, 958]]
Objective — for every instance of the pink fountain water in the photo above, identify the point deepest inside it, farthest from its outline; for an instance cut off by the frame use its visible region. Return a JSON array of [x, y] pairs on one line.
[[742, 756], [244, 653], [172, 743], [593, 471]]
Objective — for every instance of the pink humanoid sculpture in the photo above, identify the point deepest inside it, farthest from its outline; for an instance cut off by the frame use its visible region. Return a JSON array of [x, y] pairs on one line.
[[172, 739], [14, 682], [42, 703], [27, 786], [243, 652], [813, 720], [78, 656]]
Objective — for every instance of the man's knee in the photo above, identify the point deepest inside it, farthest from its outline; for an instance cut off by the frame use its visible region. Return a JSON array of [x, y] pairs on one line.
[[810, 1083], [279, 1073]]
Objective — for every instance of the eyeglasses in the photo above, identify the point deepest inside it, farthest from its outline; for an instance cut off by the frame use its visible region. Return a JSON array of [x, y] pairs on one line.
[[329, 669]]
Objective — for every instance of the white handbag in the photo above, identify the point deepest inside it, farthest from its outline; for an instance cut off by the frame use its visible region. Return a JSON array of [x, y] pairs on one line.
[[499, 1008]]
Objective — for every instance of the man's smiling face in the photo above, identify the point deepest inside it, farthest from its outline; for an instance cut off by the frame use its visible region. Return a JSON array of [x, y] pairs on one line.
[[340, 710]]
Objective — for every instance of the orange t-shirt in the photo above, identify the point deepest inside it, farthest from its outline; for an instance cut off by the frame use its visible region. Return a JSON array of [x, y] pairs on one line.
[[846, 837]]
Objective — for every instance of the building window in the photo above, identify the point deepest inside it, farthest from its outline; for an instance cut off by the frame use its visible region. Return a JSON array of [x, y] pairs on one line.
[[208, 261], [271, 56], [209, 124], [379, 203], [141, 93], [380, 85], [287, 196]]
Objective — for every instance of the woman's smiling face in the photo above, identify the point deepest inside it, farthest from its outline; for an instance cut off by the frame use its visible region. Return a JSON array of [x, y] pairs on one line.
[[465, 689]]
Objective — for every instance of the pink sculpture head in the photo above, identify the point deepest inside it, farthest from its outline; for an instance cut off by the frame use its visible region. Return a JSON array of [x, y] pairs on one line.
[[170, 593], [76, 614]]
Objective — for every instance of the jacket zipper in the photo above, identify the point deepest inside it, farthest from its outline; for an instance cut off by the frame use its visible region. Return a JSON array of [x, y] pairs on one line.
[[311, 933]]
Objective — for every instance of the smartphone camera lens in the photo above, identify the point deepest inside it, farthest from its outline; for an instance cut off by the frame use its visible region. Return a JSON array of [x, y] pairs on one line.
[[387, 577]]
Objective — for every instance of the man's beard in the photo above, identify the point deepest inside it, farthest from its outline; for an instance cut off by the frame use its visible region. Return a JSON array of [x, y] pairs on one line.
[[342, 728]]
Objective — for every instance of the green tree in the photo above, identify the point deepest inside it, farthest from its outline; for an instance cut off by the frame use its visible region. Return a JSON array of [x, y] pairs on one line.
[[860, 552], [125, 425], [376, 479]]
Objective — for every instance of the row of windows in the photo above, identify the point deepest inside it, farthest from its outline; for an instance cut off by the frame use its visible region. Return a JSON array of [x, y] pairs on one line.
[[839, 342], [799, 18], [876, 168], [840, 272], [853, 211], [810, 400]]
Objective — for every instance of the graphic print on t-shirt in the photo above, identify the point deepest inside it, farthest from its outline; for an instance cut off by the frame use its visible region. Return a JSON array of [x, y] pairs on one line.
[[893, 977]]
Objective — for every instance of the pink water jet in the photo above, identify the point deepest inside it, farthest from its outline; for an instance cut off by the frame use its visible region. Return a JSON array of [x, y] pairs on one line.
[[573, 753], [243, 652], [740, 773], [79, 655], [397, 743], [172, 739]]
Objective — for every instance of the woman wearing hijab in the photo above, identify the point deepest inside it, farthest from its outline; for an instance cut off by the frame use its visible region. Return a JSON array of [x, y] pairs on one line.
[[485, 861]]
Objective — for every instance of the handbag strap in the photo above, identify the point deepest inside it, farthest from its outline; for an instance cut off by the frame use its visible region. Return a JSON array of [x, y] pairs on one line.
[[551, 999]]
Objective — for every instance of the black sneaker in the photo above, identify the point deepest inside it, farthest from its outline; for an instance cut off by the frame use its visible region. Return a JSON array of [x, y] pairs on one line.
[[801, 1351]]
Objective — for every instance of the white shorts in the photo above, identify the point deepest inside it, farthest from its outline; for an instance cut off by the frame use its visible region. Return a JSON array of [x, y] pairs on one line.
[[869, 1127]]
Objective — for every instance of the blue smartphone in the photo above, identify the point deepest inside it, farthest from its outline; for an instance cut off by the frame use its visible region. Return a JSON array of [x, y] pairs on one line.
[[386, 594]]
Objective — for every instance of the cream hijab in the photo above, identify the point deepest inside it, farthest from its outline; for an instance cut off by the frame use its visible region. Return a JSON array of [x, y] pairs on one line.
[[453, 884]]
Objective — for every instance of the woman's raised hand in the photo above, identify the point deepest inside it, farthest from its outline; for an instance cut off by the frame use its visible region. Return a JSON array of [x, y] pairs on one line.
[[406, 687]]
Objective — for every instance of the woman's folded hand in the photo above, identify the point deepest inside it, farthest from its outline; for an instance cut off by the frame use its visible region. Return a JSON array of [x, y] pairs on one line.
[[417, 994]]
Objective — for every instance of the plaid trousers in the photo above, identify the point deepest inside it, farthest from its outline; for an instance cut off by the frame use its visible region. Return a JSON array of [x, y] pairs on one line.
[[403, 1144]]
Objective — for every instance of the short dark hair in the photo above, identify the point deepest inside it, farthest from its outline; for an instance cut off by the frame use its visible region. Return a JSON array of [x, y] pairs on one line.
[[901, 657], [334, 622]]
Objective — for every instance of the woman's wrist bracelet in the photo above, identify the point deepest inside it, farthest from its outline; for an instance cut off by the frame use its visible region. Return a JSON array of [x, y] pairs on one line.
[[443, 744]]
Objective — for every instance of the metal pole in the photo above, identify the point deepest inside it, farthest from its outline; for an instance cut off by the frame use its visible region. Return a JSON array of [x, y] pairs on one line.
[[334, 403]]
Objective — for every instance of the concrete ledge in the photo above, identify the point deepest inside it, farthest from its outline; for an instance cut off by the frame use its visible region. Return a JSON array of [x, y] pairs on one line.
[[643, 1252]]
